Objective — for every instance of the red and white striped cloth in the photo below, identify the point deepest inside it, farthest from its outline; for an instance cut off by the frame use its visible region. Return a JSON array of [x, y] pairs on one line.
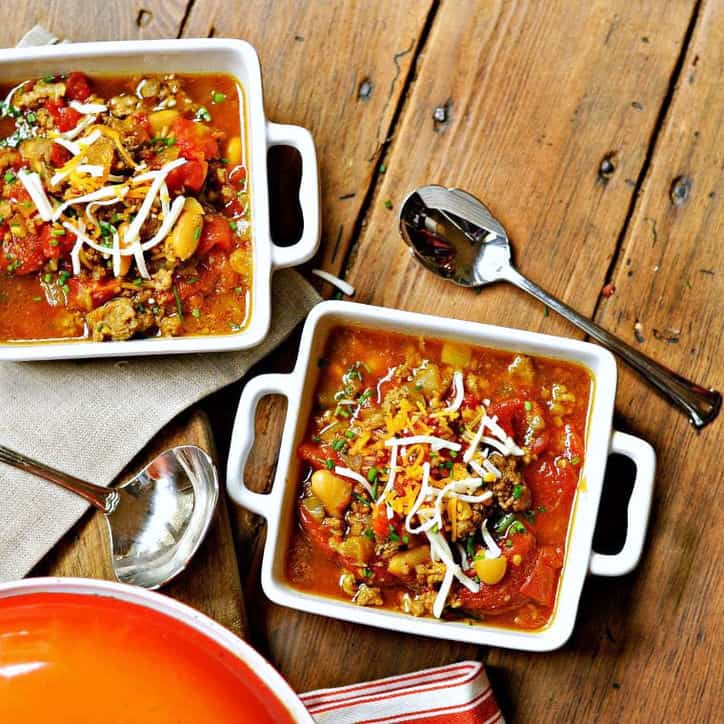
[[454, 694]]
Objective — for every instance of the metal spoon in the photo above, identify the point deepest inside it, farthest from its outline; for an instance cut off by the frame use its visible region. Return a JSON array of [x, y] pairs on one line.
[[454, 235], [157, 520]]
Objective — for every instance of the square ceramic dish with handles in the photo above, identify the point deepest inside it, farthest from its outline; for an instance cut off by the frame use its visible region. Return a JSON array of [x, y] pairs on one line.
[[333, 326], [191, 61]]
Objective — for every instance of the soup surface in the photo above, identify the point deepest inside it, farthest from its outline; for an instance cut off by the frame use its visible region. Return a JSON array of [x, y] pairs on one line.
[[71, 659], [440, 477], [124, 207]]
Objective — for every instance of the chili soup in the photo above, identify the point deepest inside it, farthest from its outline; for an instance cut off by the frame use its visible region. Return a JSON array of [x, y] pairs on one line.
[[439, 478], [124, 207]]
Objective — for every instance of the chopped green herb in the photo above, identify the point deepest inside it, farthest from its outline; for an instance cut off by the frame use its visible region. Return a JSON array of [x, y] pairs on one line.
[[528, 405], [329, 463], [418, 386], [338, 444], [367, 573], [156, 310], [361, 499], [179, 306], [517, 527], [66, 289], [48, 78], [435, 528], [394, 535], [9, 177], [502, 525], [517, 491], [383, 168], [47, 278], [196, 313], [316, 438], [63, 276], [340, 411], [575, 460], [238, 290], [388, 204], [233, 225], [405, 539], [218, 97], [58, 232], [203, 115], [137, 282], [509, 543], [365, 396], [54, 242], [350, 434], [545, 311], [469, 543], [197, 233], [37, 299], [31, 117], [372, 474], [106, 228], [235, 327], [369, 533], [542, 509]]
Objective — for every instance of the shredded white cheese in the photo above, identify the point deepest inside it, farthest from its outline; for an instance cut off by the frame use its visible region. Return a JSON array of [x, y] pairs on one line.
[[393, 471], [82, 125], [459, 393], [34, 187], [88, 108], [439, 604], [386, 378], [467, 457], [107, 192], [167, 224], [493, 548], [342, 285], [352, 475], [437, 443]]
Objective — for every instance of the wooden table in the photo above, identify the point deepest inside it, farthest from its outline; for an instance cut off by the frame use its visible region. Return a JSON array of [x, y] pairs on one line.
[[594, 131]]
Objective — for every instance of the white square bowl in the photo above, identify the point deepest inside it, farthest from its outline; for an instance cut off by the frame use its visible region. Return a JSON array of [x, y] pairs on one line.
[[240, 60], [278, 506]]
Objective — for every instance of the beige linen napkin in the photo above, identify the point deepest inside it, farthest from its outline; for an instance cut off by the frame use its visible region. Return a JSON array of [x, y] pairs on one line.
[[89, 418]]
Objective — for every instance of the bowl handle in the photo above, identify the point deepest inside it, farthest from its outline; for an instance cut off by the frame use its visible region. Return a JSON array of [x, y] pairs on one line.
[[242, 440], [639, 505], [278, 134]]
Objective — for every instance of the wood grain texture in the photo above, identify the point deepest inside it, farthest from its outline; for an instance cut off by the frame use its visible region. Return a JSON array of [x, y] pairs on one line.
[[211, 582], [84, 20], [336, 68], [537, 96]]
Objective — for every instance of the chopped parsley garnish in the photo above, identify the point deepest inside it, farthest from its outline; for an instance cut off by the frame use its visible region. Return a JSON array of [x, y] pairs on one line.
[[394, 535], [9, 177], [329, 463], [405, 539], [502, 525], [517, 491], [58, 232], [369, 533], [217, 96], [316, 438], [575, 460], [350, 434], [196, 313], [338, 444], [528, 405], [203, 115], [48, 78], [361, 499], [372, 474], [517, 527], [179, 306], [197, 233], [388, 204], [469, 543]]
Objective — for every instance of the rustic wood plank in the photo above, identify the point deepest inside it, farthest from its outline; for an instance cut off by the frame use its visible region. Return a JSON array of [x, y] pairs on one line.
[[337, 69], [210, 584], [89, 20], [537, 96], [670, 277]]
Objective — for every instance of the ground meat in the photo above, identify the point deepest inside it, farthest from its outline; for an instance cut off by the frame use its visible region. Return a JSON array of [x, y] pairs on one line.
[[510, 491], [162, 280], [368, 596], [418, 605], [117, 320], [430, 573]]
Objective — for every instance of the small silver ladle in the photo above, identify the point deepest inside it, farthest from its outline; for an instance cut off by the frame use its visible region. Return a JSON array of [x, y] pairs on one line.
[[157, 520], [454, 235]]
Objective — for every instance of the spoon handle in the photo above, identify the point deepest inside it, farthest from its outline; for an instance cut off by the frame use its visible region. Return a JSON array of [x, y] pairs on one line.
[[102, 498], [701, 405]]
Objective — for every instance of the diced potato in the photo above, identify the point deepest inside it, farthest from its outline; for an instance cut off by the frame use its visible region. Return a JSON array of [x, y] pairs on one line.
[[240, 261], [403, 563], [522, 369], [428, 379], [456, 355], [184, 238], [490, 570], [233, 151], [162, 119], [334, 492], [314, 507], [358, 548]]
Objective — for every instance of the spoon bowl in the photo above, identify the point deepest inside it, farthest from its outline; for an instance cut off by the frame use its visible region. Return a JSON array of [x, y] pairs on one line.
[[157, 520], [454, 235]]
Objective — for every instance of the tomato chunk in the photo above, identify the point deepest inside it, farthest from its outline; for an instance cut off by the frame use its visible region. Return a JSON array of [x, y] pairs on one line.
[[22, 254], [215, 234], [191, 176], [59, 156], [87, 294], [65, 118], [542, 582], [77, 87], [194, 140], [54, 243]]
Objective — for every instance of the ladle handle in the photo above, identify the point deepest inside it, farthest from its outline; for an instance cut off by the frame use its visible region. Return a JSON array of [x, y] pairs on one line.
[[701, 405], [102, 498]]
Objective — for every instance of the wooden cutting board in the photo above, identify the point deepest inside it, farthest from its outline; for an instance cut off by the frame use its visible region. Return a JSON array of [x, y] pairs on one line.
[[210, 584]]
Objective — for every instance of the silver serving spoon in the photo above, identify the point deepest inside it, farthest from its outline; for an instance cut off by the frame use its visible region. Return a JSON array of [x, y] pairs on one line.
[[157, 520], [454, 235]]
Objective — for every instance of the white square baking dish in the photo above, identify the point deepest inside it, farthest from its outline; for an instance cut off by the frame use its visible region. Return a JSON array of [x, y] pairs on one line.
[[238, 59], [278, 506]]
